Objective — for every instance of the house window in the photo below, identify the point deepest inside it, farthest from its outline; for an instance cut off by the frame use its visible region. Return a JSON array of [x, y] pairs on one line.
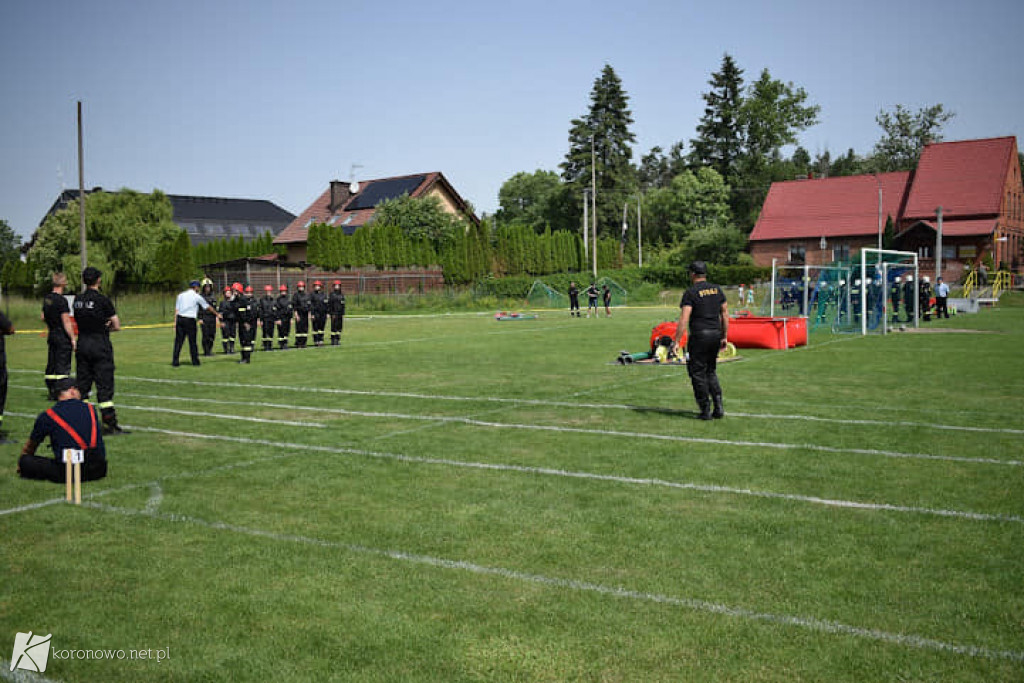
[[214, 229], [968, 251], [797, 253], [948, 252], [924, 252], [841, 253]]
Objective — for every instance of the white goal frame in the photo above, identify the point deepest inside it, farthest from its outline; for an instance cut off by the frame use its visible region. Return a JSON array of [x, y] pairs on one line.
[[884, 268]]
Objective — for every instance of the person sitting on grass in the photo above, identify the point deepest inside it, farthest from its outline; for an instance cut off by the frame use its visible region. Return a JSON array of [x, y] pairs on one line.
[[70, 423]]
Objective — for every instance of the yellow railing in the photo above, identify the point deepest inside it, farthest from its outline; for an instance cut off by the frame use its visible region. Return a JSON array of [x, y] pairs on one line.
[[970, 283], [1003, 281]]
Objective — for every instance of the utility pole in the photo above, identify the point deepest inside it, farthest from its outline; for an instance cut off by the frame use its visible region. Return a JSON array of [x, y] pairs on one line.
[[81, 194], [593, 197], [639, 223], [938, 243], [586, 225]]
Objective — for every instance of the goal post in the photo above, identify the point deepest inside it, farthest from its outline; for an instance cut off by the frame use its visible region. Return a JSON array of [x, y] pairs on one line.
[[880, 276]]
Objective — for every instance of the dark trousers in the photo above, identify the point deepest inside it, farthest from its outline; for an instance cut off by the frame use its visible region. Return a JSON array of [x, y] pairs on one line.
[[95, 363], [301, 329], [319, 323], [52, 469], [209, 334], [574, 306], [941, 309], [58, 359], [3, 384], [703, 365], [185, 328], [284, 327], [337, 322]]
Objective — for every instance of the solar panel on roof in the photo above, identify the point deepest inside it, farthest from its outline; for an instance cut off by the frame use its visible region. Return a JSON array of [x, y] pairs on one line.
[[376, 192]]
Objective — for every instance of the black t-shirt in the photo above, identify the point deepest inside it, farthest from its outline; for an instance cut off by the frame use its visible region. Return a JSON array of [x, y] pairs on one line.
[[54, 307], [706, 301], [92, 312]]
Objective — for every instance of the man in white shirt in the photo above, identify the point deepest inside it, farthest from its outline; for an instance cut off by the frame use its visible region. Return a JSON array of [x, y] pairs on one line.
[[186, 309], [941, 299]]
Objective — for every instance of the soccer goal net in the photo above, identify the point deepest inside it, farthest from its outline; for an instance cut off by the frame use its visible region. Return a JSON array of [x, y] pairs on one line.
[[617, 290], [543, 296], [865, 295]]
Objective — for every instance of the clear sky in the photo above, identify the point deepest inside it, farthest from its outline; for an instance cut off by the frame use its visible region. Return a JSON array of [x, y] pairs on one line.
[[271, 100]]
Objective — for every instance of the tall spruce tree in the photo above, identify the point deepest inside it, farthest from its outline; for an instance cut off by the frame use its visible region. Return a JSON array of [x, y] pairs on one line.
[[719, 140], [607, 127]]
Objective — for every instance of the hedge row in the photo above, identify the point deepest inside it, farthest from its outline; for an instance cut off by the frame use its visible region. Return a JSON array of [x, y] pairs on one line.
[[671, 276]]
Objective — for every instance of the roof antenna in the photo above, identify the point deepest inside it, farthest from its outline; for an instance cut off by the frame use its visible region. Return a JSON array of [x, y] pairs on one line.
[[353, 185]]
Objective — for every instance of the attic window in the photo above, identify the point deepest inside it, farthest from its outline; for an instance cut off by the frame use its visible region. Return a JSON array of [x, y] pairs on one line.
[[334, 220], [310, 222]]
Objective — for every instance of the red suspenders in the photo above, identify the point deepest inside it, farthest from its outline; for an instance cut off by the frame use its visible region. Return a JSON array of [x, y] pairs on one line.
[[71, 432]]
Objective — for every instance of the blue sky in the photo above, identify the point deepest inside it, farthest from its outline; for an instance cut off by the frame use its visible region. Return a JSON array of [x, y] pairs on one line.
[[271, 100]]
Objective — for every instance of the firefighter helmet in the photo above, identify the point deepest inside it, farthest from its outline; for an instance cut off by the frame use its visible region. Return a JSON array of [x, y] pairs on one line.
[[207, 281], [237, 286], [248, 289], [336, 283], [268, 288], [301, 284], [318, 284], [283, 288]]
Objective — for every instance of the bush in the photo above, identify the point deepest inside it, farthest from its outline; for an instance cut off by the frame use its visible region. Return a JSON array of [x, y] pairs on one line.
[[679, 276]]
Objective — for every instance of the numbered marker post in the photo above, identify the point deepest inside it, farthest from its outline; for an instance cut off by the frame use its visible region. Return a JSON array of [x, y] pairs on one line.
[[73, 459]]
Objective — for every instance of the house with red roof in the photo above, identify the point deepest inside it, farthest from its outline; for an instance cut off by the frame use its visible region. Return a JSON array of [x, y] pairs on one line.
[[351, 206], [977, 184]]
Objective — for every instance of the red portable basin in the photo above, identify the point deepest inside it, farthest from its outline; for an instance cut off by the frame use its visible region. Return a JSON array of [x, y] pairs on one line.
[[756, 332]]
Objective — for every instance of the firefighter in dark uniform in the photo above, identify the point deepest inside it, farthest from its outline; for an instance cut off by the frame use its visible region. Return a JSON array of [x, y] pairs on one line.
[[71, 423], [245, 308], [265, 306], [301, 305], [283, 314], [336, 309], [228, 320], [6, 328], [94, 356], [855, 294], [924, 299], [208, 316], [318, 307], [704, 317], [60, 338], [574, 300], [895, 290], [909, 297]]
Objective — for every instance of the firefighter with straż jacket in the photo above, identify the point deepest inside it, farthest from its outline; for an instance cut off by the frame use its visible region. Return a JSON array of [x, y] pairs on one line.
[[909, 297], [895, 290], [265, 307], [228, 320], [318, 306], [245, 307], [301, 305], [208, 316], [94, 356], [336, 309], [283, 313]]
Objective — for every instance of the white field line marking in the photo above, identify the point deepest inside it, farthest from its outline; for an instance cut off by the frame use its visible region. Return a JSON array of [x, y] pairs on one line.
[[220, 416], [546, 471], [438, 419], [693, 604], [560, 404], [21, 676], [156, 496]]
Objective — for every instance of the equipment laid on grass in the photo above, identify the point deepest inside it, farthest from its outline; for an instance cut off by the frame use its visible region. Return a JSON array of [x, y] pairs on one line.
[[506, 315], [73, 459], [661, 352]]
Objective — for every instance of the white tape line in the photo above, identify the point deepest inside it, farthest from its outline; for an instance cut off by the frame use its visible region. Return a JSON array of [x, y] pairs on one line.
[[551, 403], [696, 605], [220, 416], [707, 488]]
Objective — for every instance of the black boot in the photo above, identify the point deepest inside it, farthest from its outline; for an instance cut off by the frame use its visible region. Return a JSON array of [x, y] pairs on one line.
[[231, 346], [718, 413], [705, 410], [110, 425], [225, 345]]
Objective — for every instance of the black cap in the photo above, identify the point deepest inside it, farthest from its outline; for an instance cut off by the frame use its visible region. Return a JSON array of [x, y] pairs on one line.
[[91, 276], [63, 384], [699, 268]]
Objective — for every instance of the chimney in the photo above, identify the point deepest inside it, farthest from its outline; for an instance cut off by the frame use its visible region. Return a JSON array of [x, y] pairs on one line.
[[339, 195]]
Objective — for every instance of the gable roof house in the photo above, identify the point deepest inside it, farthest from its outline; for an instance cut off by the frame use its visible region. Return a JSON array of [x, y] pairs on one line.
[[353, 205], [206, 219], [976, 182]]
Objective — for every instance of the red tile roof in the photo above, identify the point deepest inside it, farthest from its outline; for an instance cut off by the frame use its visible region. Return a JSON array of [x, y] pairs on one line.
[[965, 178], [319, 211], [831, 207]]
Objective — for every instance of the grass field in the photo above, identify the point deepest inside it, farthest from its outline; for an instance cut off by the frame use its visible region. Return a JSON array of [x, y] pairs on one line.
[[450, 498]]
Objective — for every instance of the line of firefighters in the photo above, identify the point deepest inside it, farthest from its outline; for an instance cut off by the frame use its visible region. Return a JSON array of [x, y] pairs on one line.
[[828, 297], [241, 314]]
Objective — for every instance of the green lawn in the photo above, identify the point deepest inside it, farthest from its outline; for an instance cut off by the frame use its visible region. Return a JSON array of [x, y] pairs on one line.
[[451, 498]]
